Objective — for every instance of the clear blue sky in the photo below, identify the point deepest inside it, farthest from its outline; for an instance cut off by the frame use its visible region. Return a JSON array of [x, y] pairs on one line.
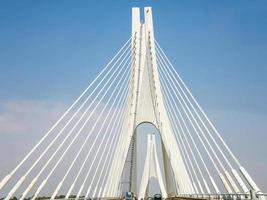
[[50, 50]]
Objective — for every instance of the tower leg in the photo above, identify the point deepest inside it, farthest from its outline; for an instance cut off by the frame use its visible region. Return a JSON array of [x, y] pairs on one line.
[[170, 183]]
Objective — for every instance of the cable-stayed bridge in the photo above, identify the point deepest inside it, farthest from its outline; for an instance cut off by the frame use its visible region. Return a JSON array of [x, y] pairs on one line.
[[91, 151]]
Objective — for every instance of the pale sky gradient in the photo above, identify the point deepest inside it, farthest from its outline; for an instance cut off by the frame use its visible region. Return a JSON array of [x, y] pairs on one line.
[[51, 50]]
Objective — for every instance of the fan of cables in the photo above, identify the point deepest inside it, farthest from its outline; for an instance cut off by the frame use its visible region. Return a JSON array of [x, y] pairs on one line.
[[74, 155], [204, 151]]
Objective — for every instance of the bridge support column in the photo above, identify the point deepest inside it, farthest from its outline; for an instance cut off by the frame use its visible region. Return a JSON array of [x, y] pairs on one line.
[[146, 105], [170, 182], [151, 169]]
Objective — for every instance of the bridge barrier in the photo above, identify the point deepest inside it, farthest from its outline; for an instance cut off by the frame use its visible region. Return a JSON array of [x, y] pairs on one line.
[[240, 196]]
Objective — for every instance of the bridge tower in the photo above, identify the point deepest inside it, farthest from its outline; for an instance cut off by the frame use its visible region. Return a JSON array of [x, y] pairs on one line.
[[146, 105]]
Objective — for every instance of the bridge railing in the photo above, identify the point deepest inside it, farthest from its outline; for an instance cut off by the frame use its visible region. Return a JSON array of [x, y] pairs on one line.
[[240, 196]]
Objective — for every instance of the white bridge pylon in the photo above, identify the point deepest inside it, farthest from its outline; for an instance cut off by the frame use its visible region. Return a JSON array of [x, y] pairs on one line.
[[159, 96], [146, 105], [151, 169]]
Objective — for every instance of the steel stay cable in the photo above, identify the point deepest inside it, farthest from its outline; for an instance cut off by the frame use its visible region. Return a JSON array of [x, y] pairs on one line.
[[89, 169], [113, 142], [164, 82], [119, 131], [70, 132], [89, 115], [192, 137], [231, 181], [76, 178], [185, 156], [106, 117], [110, 160], [217, 169], [178, 128], [198, 152], [225, 183], [8, 176], [77, 155], [53, 196], [112, 129], [201, 130], [201, 174], [58, 148], [236, 175], [121, 149], [181, 143], [69, 191], [201, 110], [94, 176], [228, 176], [203, 179], [87, 175]]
